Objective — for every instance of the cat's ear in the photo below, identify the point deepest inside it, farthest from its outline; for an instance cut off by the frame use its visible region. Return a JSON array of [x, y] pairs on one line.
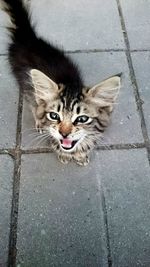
[[105, 93], [45, 88]]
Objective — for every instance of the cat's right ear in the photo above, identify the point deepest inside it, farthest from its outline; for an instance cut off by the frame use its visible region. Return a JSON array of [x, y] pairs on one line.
[[105, 93], [45, 89]]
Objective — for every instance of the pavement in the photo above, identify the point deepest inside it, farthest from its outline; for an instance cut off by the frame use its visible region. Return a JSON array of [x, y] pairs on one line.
[[54, 215]]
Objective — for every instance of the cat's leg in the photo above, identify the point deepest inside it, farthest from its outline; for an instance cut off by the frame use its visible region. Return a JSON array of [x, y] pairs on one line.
[[64, 158], [37, 122], [81, 159], [37, 126], [35, 119]]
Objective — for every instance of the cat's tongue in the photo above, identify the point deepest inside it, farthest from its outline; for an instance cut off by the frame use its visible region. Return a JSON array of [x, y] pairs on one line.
[[66, 143]]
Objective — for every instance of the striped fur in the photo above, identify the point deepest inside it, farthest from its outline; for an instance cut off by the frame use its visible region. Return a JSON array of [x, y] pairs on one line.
[[67, 113]]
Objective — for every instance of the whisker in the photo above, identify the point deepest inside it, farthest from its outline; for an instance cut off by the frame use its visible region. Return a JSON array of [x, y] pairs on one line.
[[36, 138], [34, 134], [43, 139], [29, 130], [105, 146]]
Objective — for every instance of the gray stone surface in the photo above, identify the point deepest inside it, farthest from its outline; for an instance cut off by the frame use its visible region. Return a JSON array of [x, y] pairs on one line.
[[30, 138], [4, 37], [77, 27], [141, 62], [64, 224], [126, 181], [8, 105], [60, 214], [6, 174], [125, 125], [136, 14]]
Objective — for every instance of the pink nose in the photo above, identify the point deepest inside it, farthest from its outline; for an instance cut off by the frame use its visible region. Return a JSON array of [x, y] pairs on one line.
[[65, 128]]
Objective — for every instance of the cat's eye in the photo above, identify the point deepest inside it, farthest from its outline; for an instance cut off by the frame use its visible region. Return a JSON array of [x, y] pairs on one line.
[[53, 116], [81, 119]]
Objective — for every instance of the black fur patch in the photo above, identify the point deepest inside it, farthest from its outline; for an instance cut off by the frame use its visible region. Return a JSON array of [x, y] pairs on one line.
[[27, 51]]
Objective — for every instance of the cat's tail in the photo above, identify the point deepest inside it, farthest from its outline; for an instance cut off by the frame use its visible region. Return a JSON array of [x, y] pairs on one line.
[[21, 29]]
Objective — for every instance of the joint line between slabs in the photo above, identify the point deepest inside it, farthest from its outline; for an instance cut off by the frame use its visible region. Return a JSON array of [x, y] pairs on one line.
[[134, 82], [88, 51], [105, 216], [13, 152], [16, 185]]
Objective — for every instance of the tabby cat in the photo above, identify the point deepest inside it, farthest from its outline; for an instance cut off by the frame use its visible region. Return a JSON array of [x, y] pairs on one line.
[[71, 114]]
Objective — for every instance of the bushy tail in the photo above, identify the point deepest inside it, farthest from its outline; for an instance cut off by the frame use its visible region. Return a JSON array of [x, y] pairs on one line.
[[21, 30]]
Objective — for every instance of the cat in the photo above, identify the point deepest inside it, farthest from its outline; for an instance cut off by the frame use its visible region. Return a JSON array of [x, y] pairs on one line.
[[72, 115]]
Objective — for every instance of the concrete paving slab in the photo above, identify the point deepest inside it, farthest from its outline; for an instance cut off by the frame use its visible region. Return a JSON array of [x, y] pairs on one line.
[[4, 37], [141, 62], [125, 126], [30, 137], [125, 178], [8, 105], [60, 215], [6, 176], [136, 15], [79, 24]]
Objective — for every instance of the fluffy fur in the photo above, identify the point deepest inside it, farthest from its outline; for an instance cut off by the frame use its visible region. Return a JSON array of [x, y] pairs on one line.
[[70, 114]]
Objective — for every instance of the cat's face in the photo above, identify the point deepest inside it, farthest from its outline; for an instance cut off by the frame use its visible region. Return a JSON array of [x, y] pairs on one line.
[[73, 128], [77, 127]]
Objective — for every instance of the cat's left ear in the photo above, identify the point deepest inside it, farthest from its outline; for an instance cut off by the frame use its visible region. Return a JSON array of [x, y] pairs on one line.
[[45, 89], [105, 93]]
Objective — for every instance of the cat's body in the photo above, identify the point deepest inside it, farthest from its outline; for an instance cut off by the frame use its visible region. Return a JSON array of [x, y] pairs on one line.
[[72, 115]]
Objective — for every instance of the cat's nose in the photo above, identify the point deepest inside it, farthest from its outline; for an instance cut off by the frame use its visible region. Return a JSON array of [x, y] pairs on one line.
[[65, 129], [64, 135]]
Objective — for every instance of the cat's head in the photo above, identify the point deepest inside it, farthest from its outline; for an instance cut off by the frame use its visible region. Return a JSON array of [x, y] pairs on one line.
[[76, 126]]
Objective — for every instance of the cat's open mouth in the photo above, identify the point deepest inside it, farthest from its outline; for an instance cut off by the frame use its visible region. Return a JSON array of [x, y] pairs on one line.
[[68, 144]]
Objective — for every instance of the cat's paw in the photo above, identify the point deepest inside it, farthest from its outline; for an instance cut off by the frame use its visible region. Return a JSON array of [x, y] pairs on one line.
[[37, 126], [83, 161], [63, 159]]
